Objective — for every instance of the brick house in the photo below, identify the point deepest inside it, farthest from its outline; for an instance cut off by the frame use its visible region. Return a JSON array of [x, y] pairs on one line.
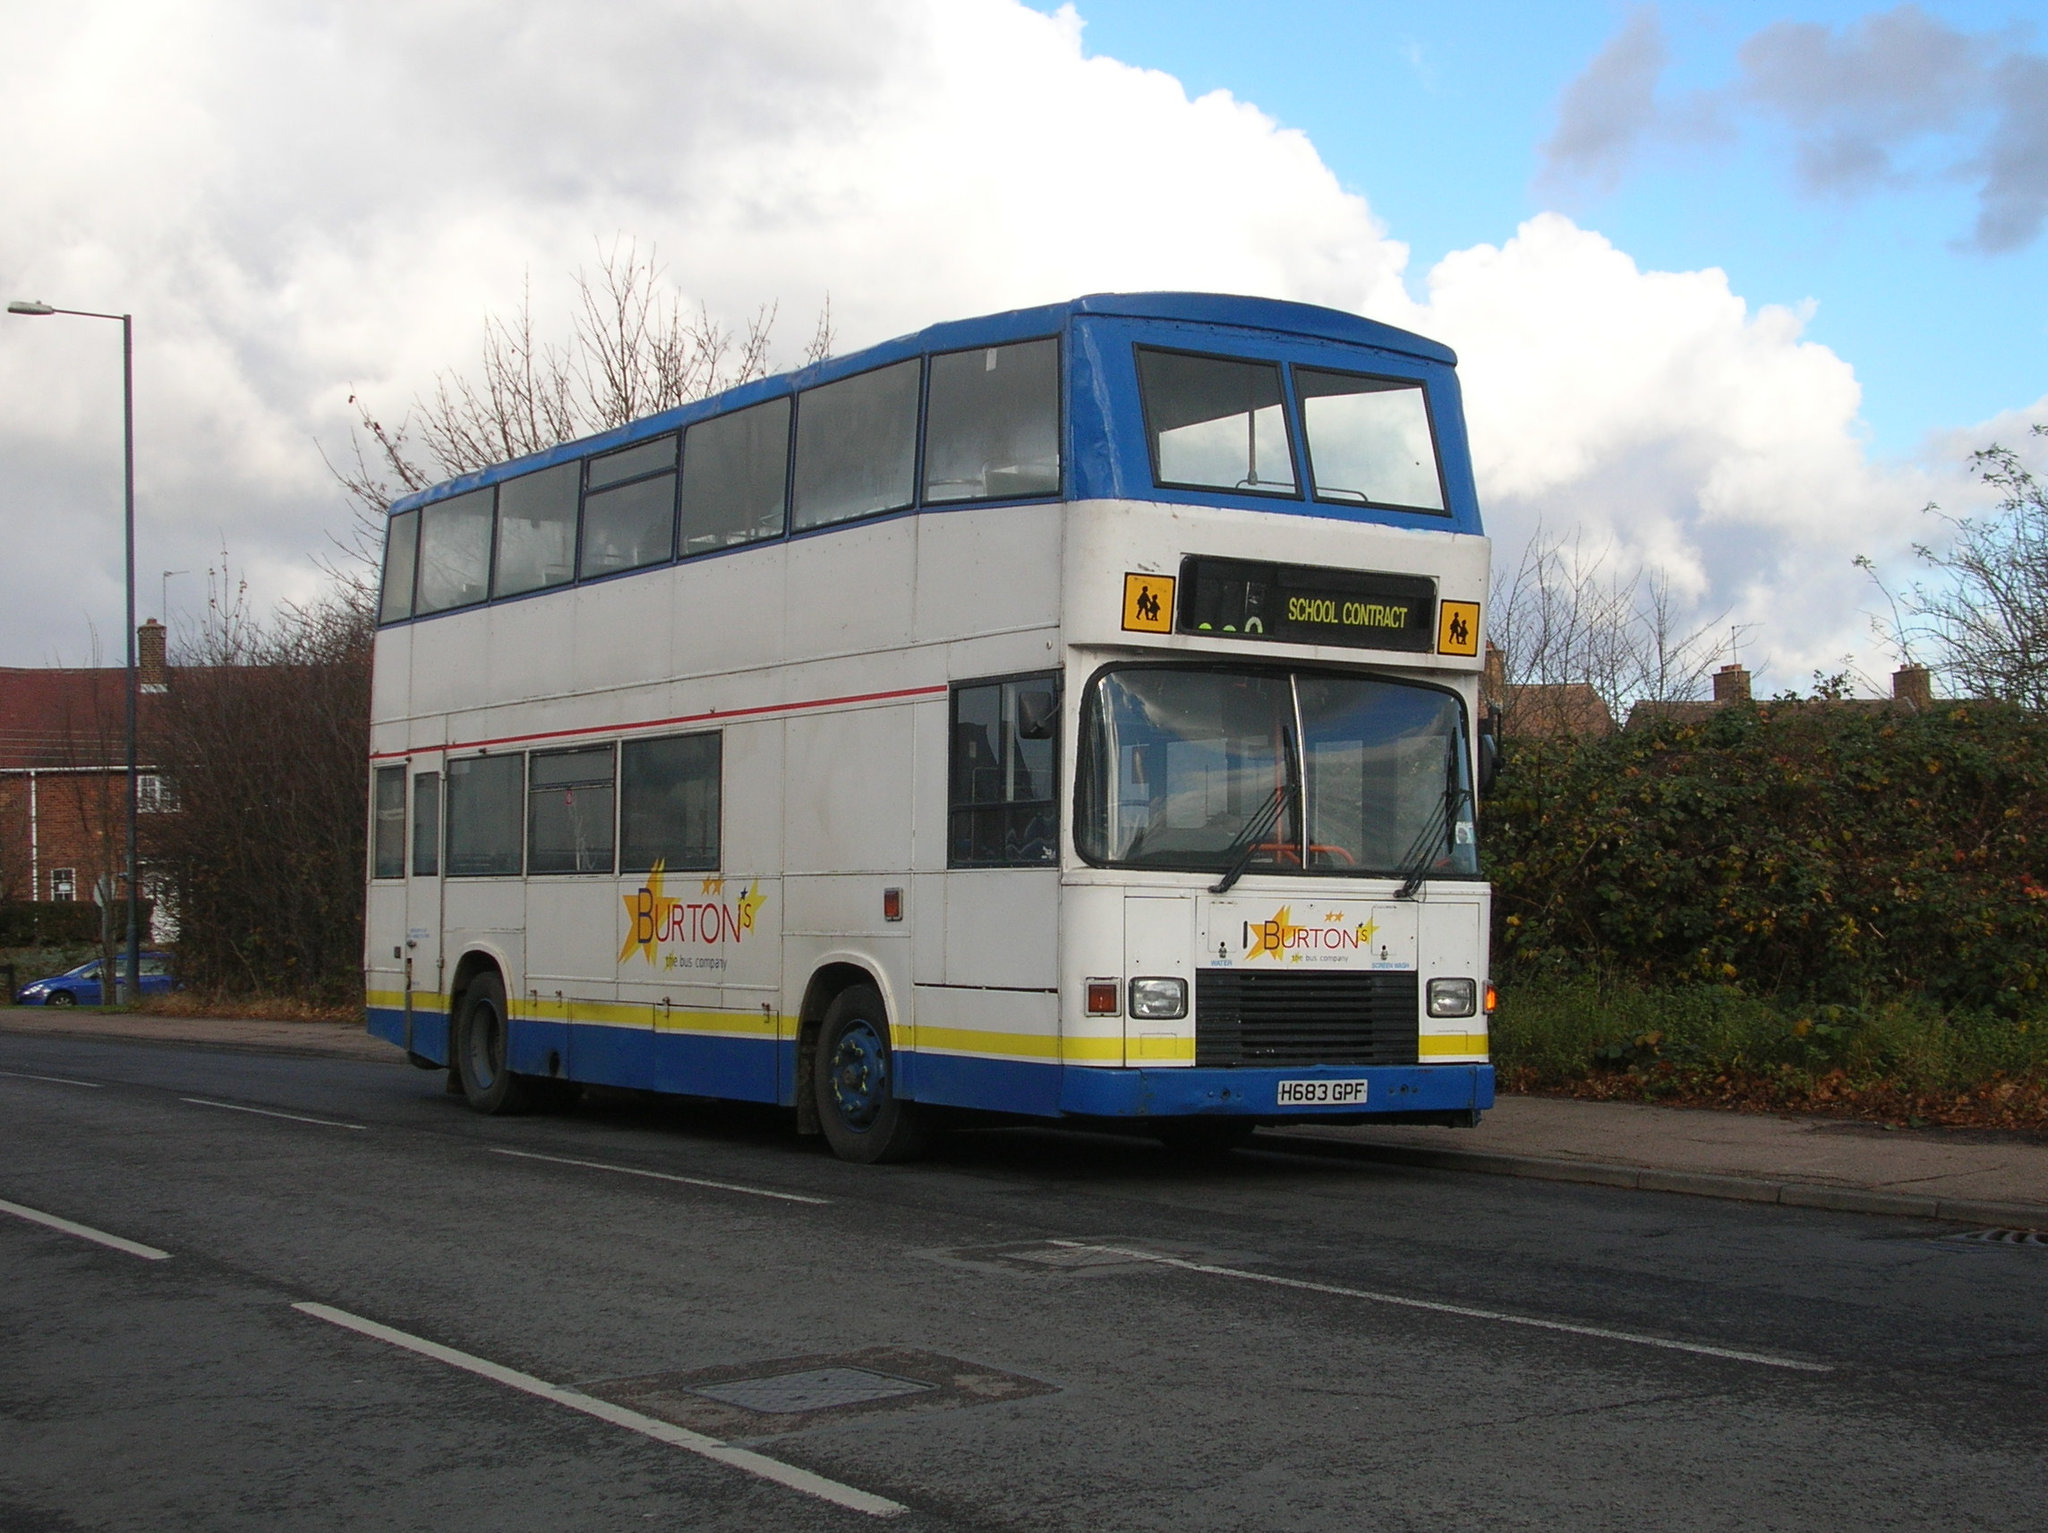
[[63, 773]]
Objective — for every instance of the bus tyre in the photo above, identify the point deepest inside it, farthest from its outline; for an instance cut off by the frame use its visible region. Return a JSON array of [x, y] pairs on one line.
[[854, 1074], [482, 1046]]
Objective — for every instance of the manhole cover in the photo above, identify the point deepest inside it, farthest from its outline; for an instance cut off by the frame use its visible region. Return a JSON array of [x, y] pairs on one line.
[[791, 1394], [1073, 1256], [820, 1389]]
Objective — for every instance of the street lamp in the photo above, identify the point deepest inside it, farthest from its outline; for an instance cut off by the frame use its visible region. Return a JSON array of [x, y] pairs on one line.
[[39, 310]]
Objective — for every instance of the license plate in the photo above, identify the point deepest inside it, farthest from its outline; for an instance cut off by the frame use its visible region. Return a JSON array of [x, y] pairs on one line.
[[1322, 1093]]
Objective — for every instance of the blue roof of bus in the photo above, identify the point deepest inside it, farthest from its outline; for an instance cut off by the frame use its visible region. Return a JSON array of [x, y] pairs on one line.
[[1274, 314]]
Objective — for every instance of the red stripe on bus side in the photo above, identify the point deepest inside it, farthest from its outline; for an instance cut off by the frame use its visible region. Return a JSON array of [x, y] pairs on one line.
[[683, 718]]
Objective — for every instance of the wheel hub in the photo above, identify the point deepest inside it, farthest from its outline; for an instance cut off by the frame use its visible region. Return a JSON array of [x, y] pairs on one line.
[[859, 1074]]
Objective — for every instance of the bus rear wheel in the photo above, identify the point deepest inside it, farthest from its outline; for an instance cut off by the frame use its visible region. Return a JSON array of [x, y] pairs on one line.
[[854, 1075], [482, 1047]]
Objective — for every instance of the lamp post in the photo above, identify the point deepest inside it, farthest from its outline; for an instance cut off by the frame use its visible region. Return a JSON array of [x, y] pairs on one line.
[[133, 988]]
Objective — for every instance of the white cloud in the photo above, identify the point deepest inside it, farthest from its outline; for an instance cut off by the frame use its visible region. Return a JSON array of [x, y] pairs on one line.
[[297, 200]]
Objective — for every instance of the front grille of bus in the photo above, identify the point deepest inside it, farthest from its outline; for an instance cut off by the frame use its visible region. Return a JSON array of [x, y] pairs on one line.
[[1264, 1017]]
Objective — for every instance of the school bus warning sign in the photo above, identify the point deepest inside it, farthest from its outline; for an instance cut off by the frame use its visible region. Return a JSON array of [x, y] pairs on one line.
[[1148, 603], [1457, 628]]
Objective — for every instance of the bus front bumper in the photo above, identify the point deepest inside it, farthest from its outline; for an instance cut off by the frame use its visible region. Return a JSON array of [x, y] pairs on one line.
[[1277, 1095]]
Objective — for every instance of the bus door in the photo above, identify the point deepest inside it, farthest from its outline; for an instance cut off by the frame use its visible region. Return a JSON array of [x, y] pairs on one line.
[[426, 1001]]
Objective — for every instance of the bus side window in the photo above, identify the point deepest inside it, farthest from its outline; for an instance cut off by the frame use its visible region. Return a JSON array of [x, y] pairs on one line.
[[569, 811], [856, 446], [1002, 799], [401, 555], [992, 423], [536, 531], [669, 803], [735, 477], [629, 508], [485, 819], [455, 551], [426, 825], [390, 833], [1215, 423]]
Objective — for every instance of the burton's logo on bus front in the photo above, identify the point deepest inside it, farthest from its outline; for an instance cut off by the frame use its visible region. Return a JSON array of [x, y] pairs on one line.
[[1283, 941], [659, 917]]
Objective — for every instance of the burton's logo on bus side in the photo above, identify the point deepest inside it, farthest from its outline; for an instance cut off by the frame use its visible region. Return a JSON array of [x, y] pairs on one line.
[[1281, 939], [659, 917]]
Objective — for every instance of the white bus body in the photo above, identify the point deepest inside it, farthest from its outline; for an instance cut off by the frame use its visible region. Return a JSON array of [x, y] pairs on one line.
[[829, 669]]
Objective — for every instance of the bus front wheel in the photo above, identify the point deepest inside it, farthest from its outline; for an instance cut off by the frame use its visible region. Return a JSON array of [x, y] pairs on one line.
[[482, 1046], [854, 1074]]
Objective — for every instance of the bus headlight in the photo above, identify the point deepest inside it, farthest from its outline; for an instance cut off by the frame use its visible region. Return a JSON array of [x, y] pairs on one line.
[[1453, 997], [1159, 1000]]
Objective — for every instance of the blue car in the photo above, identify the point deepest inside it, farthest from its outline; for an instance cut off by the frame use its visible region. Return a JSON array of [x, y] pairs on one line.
[[81, 986]]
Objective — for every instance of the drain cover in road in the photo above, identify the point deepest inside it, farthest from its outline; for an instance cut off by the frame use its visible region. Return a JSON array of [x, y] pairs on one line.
[[790, 1394], [820, 1389], [2002, 1237]]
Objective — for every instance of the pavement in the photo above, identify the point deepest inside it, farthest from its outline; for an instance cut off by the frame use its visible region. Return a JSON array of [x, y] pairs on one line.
[[1969, 1176]]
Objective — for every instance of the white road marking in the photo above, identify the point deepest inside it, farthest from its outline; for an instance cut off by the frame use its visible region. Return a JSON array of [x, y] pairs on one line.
[[1765, 1359], [265, 1112], [54, 1080], [666, 1176], [661, 1431], [85, 1232]]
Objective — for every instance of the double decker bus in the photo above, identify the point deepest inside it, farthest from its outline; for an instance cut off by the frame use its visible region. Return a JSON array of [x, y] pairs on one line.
[[1066, 714]]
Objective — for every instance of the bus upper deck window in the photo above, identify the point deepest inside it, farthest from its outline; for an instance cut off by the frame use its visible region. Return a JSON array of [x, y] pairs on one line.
[[1369, 440], [455, 552], [992, 424], [401, 554], [856, 446], [629, 508], [536, 531], [1215, 423], [735, 477]]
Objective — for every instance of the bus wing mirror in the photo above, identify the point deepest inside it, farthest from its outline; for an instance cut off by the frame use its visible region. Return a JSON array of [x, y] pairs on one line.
[[1489, 752], [1038, 714]]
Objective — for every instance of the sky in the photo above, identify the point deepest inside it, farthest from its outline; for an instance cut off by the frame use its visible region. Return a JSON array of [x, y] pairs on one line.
[[1735, 287]]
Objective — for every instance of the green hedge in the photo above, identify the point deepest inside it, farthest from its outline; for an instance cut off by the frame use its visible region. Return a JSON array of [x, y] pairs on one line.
[[59, 923], [1825, 853]]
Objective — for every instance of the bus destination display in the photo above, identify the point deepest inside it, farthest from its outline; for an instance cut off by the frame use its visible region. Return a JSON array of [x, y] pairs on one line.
[[1304, 604]]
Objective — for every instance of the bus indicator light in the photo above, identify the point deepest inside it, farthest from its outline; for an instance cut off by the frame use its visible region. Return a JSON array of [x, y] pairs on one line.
[[1102, 997]]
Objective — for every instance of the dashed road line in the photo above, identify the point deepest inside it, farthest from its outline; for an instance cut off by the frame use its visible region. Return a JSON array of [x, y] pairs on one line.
[[85, 1232], [265, 1112], [665, 1176], [54, 1080], [1466, 1311], [744, 1459]]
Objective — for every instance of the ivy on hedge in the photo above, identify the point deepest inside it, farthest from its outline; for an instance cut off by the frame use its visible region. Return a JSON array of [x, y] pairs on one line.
[[1829, 852]]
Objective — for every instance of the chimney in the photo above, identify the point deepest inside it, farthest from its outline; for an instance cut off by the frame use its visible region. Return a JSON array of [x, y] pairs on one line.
[[1493, 681], [1731, 684], [1913, 687], [152, 673]]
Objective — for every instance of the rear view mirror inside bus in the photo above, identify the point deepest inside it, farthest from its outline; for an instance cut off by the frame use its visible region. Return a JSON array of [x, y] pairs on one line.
[[1037, 714]]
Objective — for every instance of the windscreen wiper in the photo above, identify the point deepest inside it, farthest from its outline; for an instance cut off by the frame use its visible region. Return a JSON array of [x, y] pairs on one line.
[[1416, 864], [1255, 831]]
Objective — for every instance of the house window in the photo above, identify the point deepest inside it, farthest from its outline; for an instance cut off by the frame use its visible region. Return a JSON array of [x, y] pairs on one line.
[[63, 883], [155, 795]]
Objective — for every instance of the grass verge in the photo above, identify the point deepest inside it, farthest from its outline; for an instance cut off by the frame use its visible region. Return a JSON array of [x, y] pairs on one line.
[[251, 1008], [1897, 1061]]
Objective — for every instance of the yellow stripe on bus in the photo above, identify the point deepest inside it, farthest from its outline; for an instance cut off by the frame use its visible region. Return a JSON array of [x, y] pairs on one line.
[[1463, 1045]]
